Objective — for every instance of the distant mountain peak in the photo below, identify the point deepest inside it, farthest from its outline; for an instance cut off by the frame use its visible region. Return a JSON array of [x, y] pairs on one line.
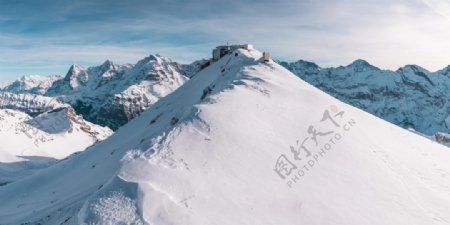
[[76, 67], [74, 70], [361, 65], [111, 94], [306, 63], [301, 67], [445, 71], [107, 63], [33, 84], [149, 59], [414, 68]]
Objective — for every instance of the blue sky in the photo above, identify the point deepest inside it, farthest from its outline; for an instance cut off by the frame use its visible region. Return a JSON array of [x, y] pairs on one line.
[[47, 36]]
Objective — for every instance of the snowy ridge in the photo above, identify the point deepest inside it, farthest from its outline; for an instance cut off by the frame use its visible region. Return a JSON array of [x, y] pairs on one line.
[[32, 84], [206, 154], [410, 97], [193, 68], [111, 94], [29, 103], [30, 144]]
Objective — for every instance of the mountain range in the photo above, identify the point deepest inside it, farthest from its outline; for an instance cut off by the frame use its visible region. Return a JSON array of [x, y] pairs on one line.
[[243, 142], [410, 97], [32, 84], [111, 95]]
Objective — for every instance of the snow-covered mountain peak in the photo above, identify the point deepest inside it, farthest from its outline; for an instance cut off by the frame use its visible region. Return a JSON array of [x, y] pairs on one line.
[[75, 77], [307, 65], [153, 58], [416, 75], [413, 69], [108, 65], [74, 70], [29, 103], [361, 65], [112, 94], [33, 84], [243, 142], [302, 67]]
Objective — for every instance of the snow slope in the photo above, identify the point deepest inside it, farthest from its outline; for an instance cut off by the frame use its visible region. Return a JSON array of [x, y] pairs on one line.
[[211, 152], [33, 84], [30, 144]]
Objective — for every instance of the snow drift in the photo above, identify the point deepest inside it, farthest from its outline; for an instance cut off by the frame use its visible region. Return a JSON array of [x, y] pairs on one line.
[[243, 142]]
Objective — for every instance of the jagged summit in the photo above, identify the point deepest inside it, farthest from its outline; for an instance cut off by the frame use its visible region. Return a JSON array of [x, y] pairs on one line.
[[306, 64], [151, 59], [233, 145], [112, 94], [33, 84], [412, 68], [360, 65], [74, 70], [301, 67], [107, 65]]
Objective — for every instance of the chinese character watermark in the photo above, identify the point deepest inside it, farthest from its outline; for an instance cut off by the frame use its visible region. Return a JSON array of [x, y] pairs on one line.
[[308, 150]]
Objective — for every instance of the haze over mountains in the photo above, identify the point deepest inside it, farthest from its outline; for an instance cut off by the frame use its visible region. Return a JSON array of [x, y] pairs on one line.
[[226, 148]]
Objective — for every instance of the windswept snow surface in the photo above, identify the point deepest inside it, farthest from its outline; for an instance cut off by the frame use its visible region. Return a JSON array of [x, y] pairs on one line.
[[208, 154]]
